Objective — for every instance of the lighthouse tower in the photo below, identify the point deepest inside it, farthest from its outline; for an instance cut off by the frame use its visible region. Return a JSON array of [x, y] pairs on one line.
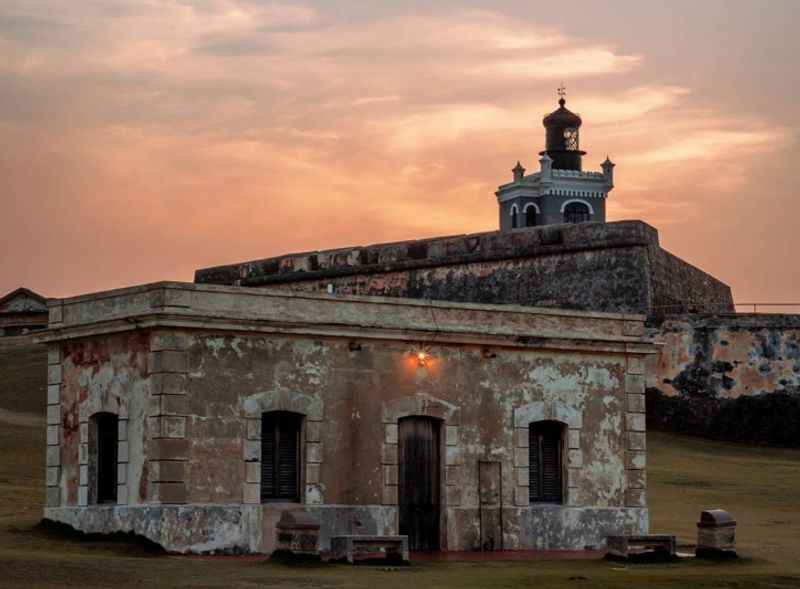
[[560, 192]]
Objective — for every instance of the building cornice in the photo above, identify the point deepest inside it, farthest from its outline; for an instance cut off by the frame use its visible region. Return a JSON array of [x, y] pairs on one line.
[[206, 307]]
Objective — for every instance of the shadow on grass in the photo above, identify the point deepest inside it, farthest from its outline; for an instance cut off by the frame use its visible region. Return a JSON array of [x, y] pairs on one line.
[[124, 543]]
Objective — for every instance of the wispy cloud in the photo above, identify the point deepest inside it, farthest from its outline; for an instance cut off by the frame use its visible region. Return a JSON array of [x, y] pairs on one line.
[[297, 126], [711, 144]]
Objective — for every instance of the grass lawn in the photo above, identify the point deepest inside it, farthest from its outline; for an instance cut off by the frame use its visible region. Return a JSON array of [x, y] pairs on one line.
[[758, 485]]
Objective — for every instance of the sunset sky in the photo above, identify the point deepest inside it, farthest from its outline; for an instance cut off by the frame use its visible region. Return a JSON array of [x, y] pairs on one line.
[[141, 139]]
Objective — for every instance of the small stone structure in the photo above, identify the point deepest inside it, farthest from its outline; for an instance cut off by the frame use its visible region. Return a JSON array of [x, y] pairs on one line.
[[196, 415], [22, 311], [354, 549], [716, 534], [298, 533]]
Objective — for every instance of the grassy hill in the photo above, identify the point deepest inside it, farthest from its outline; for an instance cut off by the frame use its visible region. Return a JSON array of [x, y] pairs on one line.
[[758, 485], [23, 376]]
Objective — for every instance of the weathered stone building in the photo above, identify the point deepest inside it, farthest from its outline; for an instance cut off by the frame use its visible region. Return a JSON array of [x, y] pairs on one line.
[[22, 311], [195, 415]]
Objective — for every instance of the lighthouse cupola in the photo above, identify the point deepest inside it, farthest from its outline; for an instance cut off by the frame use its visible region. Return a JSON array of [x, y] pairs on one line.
[[562, 142]]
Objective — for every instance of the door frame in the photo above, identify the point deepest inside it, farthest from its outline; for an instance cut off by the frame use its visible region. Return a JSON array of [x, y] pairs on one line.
[[440, 476], [424, 405]]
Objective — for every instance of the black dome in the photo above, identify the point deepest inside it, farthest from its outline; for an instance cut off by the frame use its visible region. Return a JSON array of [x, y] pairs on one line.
[[562, 117]]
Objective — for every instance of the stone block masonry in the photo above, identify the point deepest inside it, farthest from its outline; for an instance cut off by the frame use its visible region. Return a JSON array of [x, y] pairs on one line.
[[589, 266], [167, 409]]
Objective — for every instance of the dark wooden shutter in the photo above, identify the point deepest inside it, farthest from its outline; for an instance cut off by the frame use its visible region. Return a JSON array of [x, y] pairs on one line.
[[280, 456], [268, 445], [545, 450], [288, 455]]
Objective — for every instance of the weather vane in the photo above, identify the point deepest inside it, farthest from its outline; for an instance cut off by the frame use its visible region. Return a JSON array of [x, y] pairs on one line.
[[562, 90]]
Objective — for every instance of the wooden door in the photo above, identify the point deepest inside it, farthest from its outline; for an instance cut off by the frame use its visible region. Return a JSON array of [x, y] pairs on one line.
[[420, 482], [107, 440]]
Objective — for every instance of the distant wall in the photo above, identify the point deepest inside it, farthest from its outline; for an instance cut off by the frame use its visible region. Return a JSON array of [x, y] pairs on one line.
[[617, 267], [680, 287], [729, 376]]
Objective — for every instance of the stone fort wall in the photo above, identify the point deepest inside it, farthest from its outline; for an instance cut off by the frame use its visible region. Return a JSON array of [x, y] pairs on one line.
[[615, 267], [728, 376]]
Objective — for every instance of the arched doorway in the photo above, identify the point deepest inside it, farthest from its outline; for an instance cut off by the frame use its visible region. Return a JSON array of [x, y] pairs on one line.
[[419, 493]]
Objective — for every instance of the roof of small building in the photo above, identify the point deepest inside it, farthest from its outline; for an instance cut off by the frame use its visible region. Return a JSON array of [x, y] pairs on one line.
[[23, 300]]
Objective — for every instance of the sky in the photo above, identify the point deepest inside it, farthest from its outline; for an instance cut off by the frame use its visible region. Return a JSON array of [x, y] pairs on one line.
[[143, 139]]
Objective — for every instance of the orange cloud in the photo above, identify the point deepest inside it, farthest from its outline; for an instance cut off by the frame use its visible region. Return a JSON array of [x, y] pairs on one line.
[[150, 138]]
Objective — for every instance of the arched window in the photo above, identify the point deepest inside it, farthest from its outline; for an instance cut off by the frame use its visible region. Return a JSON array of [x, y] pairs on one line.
[[530, 215], [280, 456], [103, 440], [577, 212], [514, 217], [545, 449]]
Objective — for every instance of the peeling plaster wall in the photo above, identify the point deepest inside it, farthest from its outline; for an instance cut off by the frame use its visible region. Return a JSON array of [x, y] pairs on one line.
[[192, 394], [224, 370], [107, 374], [728, 355], [719, 366]]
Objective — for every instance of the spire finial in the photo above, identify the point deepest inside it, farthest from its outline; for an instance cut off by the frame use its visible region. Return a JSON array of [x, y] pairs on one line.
[[562, 92]]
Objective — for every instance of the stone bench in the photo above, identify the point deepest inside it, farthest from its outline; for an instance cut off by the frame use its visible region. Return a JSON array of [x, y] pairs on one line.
[[649, 546], [355, 548]]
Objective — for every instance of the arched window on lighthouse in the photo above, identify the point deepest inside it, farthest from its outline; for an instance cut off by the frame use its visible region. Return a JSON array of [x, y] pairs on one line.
[[577, 212], [530, 214], [514, 217]]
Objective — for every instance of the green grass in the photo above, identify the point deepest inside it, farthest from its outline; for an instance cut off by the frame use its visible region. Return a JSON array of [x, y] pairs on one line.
[[758, 485]]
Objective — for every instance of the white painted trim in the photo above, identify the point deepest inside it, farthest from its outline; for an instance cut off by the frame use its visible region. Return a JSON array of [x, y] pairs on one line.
[[514, 209], [531, 204], [566, 202]]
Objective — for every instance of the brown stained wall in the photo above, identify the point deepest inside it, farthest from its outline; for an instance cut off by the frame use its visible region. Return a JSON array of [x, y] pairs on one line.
[[354, 385], [104, 373], [727, 356]]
